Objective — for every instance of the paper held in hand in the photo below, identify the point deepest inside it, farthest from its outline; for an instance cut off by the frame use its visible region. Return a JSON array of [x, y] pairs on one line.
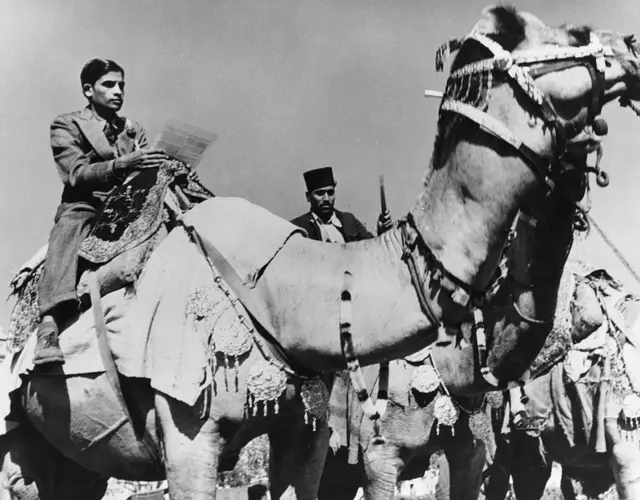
[[184, 142]]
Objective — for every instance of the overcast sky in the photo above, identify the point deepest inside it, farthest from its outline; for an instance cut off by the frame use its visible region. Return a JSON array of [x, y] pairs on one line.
[[287, 85]]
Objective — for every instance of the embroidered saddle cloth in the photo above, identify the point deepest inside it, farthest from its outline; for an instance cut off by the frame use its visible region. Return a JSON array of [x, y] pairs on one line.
[[130, 215]]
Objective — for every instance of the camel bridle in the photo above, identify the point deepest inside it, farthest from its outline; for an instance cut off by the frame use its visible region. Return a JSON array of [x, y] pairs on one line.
[[522, 70]]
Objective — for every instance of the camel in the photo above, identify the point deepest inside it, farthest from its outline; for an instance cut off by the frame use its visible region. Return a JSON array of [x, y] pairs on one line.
[[538, 430], [410, 424], [493, 152], [579, 411]]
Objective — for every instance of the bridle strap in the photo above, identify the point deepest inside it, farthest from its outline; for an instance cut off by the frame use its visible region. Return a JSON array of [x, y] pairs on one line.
[[488, 123], [590, 56], [597, 79]]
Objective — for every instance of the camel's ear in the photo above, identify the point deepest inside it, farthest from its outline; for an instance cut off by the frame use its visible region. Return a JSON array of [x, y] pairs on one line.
[[503, 24]]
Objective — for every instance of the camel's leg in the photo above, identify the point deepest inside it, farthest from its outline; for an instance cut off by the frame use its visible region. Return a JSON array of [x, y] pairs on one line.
[[64, 480], [443, 489], [585, 482], [191, 450], [340, 480], [569, 487], [530, 469], [383, 464], [297, 458], [32, 469], [498, 474], [625, 462], [466, 458]]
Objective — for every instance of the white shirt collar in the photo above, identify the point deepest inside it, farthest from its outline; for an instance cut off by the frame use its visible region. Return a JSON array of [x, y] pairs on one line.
[[334, 221]]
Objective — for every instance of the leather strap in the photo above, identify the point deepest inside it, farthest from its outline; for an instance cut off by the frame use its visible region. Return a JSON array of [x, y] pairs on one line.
[[496, 128], [256, 308]]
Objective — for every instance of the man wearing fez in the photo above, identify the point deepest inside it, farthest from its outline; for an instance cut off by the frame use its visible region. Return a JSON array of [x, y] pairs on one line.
[[323, 222], [94, 149]]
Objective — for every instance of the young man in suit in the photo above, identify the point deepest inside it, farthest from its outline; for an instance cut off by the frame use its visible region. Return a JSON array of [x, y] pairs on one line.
[[323, 222], [94, 149]]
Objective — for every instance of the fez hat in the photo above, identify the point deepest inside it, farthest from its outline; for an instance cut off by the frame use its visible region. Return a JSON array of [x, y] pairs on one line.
[[319, 178]]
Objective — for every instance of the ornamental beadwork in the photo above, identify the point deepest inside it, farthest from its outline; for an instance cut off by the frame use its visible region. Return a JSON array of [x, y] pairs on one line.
[[446, 412], [265, 383], [130, 214], [25, 315], [231, 337], [228, 335], [480, 426], [425, 379], [315, 398]]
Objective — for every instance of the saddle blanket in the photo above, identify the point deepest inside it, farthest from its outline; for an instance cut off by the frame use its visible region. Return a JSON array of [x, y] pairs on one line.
[[150, 330]]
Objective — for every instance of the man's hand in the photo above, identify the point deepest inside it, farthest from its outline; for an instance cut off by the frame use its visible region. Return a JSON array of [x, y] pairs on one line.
[[384, 222], [139, 160]]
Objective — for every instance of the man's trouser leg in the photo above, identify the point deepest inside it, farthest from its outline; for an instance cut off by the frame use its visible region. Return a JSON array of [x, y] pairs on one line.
[[57, 286]]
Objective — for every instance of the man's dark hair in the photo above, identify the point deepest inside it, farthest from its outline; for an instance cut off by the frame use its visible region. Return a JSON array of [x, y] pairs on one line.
[[96, 69]]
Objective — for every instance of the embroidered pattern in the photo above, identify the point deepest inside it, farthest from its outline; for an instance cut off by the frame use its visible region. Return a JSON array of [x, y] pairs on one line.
[[480, 426], [25, 315], [227, 334], [265, 384], [425, 379], [315, 398], [130, 214], [446, 412]]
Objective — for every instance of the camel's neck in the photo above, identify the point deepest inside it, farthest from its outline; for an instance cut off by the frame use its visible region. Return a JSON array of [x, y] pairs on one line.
[[475, 188], [464, 221], [303, 286], [539, 256]]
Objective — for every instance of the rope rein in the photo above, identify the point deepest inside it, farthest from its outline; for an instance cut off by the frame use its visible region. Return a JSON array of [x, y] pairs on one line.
[[613, 248]]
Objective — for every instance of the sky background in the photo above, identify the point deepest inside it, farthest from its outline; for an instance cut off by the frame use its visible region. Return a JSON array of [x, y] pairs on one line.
[[287, 85]]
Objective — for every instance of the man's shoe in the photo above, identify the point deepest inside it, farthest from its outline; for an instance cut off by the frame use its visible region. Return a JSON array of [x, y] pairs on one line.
[[47, 345]]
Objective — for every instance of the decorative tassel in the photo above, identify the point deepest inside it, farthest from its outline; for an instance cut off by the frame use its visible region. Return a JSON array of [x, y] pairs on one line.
[[443, 52], [315, 398], [265, 383]]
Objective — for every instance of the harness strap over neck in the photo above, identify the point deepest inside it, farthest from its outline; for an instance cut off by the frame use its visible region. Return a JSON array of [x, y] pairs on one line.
[[538, 163], [555, 59]]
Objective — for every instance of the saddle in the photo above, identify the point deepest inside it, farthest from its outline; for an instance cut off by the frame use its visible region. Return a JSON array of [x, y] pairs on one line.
[[131, 224]]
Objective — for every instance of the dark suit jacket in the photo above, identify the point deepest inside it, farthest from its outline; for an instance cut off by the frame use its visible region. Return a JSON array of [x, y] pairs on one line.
[[85, 157], [352, 228]]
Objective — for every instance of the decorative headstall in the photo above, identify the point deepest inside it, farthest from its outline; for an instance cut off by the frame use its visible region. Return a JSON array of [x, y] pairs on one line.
[[522, 70], [467, 95]]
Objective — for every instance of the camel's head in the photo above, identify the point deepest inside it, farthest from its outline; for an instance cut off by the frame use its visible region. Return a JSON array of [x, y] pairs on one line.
[[622, 64], [574, 66], [542, 84]]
